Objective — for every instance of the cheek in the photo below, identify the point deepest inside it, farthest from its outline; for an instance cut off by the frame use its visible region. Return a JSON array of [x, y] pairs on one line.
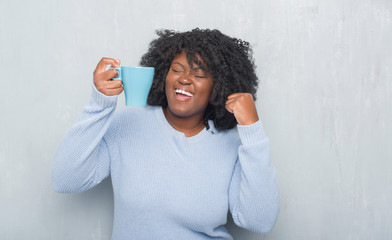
[[207, 91], [208, 87], [168, 82], [170, 78]]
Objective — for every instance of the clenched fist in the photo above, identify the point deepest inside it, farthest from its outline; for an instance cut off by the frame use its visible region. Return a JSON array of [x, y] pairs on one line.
[[243, 107], [103, 79]]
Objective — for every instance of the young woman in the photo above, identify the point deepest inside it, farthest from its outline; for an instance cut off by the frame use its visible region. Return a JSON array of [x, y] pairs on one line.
[[195, 152]]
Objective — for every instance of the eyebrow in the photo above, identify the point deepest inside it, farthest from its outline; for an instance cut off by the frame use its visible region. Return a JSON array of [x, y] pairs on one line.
[[179, 64], [198, 68], [194, 69]]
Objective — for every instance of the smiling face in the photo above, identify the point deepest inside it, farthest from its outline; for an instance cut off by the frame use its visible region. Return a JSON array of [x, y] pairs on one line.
[[188, 89]]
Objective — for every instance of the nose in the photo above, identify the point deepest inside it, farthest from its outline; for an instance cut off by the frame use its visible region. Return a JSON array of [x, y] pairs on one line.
[[185, 80]]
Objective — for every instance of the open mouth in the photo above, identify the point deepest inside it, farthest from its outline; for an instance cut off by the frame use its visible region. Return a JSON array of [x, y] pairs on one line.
[[182, 94]]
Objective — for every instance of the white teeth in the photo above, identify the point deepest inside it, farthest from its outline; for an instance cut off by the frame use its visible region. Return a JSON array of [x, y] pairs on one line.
[[184, 92]]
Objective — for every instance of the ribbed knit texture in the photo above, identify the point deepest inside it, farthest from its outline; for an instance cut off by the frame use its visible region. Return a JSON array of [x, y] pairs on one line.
[[168, 186]]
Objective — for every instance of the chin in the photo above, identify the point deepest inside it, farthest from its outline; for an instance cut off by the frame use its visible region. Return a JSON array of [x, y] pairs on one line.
[[184, 111], [180, 111]]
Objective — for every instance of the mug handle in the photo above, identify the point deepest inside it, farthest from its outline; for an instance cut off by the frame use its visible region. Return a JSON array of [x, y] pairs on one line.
[[119, 73]]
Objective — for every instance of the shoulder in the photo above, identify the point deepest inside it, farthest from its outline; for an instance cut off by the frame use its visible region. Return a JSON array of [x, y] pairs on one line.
[[135, 113], [230, 136], [135, 116], [242, 134]]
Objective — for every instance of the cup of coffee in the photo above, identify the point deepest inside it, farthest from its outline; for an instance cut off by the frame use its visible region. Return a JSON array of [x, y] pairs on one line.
[[137, 83]]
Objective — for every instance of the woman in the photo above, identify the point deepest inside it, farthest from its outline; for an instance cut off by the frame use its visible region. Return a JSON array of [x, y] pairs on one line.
[[196, 151]]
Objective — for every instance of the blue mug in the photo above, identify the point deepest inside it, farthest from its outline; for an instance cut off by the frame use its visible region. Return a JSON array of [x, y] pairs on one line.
[[137, 84]]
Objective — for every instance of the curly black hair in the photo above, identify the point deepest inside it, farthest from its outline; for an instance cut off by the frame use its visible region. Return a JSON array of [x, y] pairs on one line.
[[228, 60]]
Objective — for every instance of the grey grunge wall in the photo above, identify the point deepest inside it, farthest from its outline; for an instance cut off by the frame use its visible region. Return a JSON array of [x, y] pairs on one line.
[[325, 99]]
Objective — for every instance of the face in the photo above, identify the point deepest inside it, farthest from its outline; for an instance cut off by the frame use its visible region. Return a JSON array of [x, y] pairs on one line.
[[188, 89]]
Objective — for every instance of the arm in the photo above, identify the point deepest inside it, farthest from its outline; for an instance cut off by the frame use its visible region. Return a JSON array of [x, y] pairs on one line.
[[82, 159], [254, 193]]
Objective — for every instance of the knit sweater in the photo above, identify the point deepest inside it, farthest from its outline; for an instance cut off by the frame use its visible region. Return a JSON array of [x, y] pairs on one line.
[[167, 185]]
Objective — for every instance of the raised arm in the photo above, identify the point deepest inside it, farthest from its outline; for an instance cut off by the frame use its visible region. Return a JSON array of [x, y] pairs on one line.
[[83, 160], [253, 193]]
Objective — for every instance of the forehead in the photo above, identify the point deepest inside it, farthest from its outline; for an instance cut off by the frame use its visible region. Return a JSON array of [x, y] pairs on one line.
[[189, 60]]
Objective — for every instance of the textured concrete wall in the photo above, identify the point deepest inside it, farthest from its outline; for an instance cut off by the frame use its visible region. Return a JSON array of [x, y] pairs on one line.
[[325, 99]]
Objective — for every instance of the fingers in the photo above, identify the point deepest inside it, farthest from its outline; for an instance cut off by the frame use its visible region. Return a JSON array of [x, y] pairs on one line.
[[101, 66], [234, 95], [103, 78], [243, 107], [109, 74], [113, 92], [231, 105], [238, 100], [109, 85], [232, 101], [114, 84], [110, 88]]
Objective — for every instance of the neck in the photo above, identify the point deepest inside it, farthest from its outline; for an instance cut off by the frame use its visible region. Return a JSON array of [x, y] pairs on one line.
[[190, 126]]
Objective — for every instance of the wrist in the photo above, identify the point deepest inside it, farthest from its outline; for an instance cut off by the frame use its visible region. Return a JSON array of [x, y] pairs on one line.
[[248, 120], [251, 133], [101, 99]]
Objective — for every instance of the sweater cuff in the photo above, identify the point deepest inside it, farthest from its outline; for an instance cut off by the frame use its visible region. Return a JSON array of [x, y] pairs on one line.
[[102, 100], [251, 133]]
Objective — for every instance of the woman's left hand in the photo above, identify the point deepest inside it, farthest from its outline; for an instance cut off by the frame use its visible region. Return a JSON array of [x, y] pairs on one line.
[[243, 107]]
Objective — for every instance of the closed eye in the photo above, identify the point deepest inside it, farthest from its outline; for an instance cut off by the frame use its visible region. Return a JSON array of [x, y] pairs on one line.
[[199, 73], [199, 76]]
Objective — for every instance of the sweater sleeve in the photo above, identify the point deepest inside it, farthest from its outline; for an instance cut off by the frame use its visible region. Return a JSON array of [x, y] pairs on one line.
[[82, 159], [254, 194]]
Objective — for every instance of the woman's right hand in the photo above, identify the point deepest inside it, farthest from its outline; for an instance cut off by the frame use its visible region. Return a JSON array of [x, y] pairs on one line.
[[103, 79]]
